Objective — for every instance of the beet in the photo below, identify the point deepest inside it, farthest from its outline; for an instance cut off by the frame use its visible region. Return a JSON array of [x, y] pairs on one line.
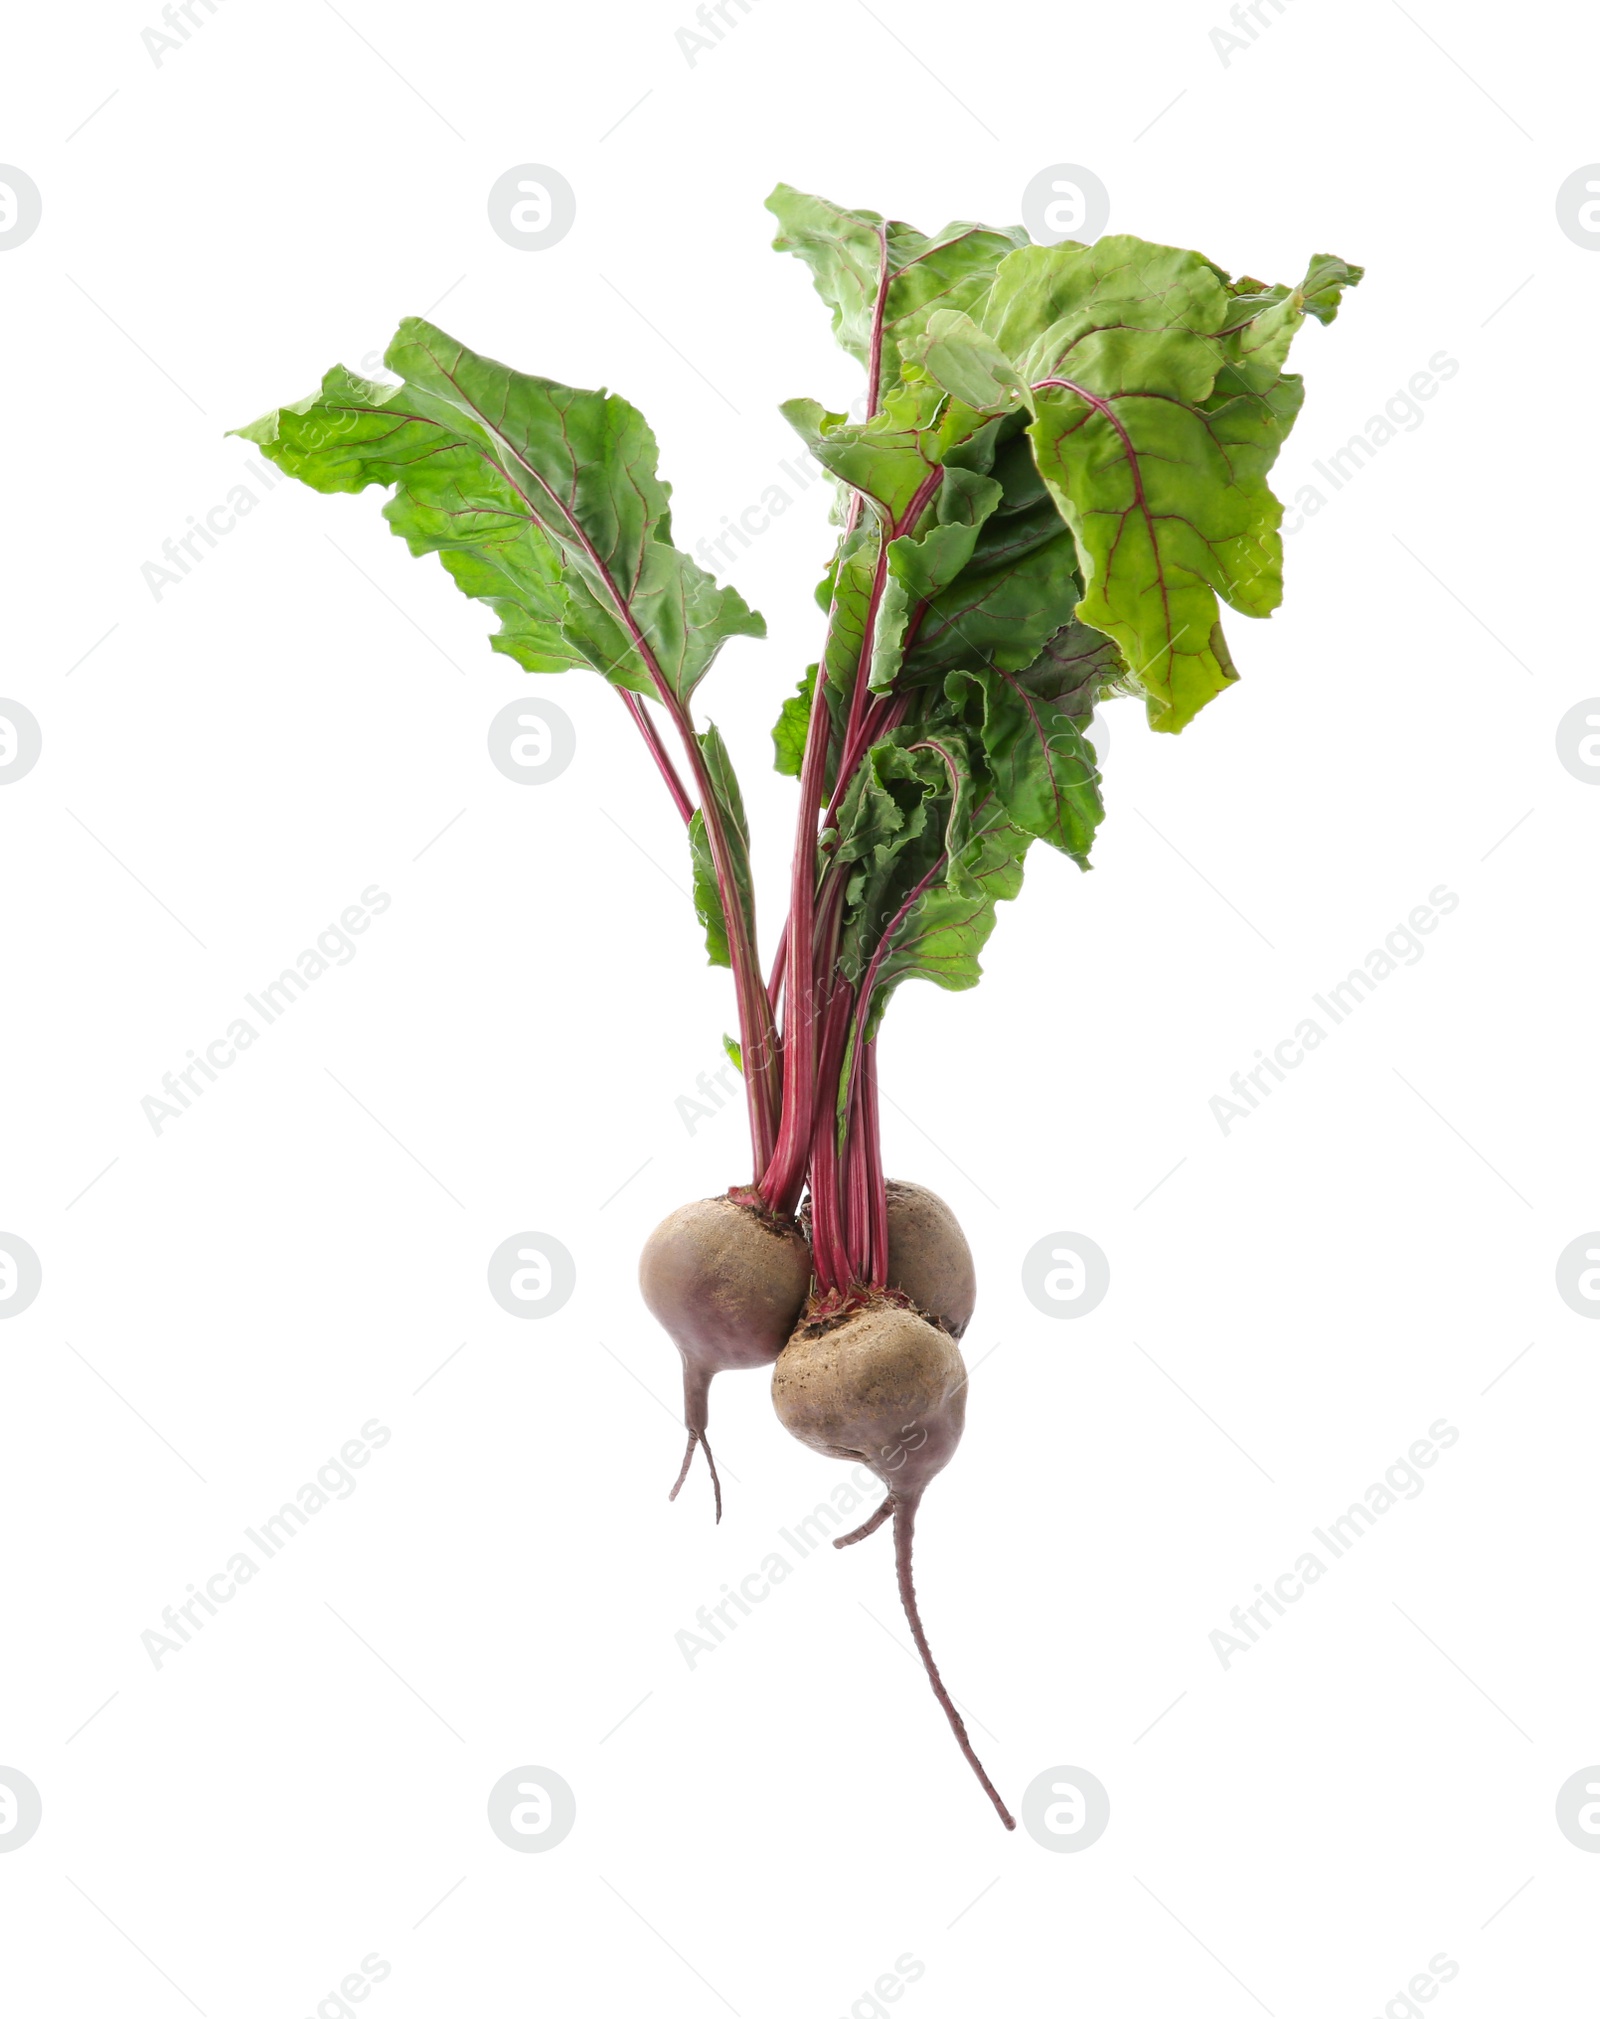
[[885, 1387], [727, 1281], [928, 1256]]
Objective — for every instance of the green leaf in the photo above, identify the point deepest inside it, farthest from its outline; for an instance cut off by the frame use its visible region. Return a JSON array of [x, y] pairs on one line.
[[923, 458], [1326, 279], [1157, 445], [708, 897], [1083, 307], [540, 499], [935, 849], [1018, 589], [896, 458], [963, 358], [846, 594], [990, 580], [993, 576], [918, 569], [1148, 534], [1262, 322], [932, 850], [1078, 668], [790, 729], [945, 928], [844, 250], [888, 842], [1042, 764], [731, 1047]]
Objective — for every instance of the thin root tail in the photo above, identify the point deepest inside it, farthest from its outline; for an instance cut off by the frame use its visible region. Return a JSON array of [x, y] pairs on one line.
[[716, 1483], [870, 1526], [905, 1514], [698, 1437], [683, 1470]]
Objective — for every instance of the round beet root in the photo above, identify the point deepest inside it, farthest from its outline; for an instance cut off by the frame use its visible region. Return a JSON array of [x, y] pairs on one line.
[[887, 1387], [727, 1284], [928, 1256], [881, 1386]]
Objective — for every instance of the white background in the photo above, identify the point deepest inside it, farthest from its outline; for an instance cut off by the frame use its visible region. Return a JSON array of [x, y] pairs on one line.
[[232, 764]]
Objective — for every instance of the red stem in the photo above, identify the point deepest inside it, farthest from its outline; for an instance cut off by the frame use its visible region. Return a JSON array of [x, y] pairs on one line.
[[857, 1226], [863, 1012], [829, 1246], [757, 1035], [853, 746], [860, 693], [779, 962], [875, 348], [869, 713], [857, 1202], [758, 1038], [780, 1181], [658, 750], [877, 1194], [785, 1174]]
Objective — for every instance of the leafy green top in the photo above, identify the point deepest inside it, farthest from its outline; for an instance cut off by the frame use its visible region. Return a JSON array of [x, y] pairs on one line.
[[1063, 476], [541, 500]]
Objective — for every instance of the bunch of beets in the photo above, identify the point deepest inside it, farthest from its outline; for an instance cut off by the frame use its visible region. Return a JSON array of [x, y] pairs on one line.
[[1059, 475]]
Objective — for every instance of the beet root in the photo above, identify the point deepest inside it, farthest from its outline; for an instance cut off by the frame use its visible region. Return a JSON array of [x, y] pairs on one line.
[[886, 1387], [929, 1259], [726, 1282], [881, 1386]]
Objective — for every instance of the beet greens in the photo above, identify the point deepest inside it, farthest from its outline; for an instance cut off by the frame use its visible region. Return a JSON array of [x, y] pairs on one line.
[[1060, 478]]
